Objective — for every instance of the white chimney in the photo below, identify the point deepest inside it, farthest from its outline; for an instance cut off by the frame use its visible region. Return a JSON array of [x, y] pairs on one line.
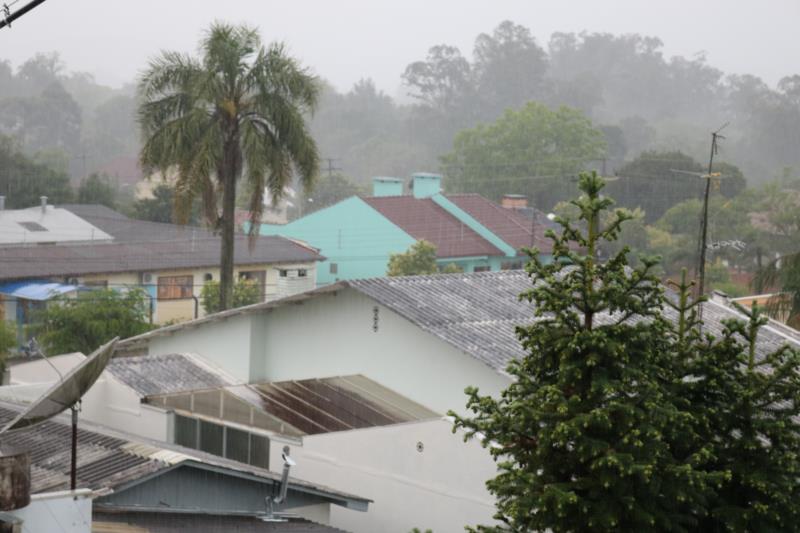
[[43, 200]]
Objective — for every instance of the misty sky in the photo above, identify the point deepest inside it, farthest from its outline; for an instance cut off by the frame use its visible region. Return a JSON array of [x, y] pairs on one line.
[[344, 40]]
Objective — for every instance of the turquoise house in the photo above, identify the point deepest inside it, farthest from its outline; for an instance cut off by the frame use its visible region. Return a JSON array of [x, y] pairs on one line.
[[357, 235]]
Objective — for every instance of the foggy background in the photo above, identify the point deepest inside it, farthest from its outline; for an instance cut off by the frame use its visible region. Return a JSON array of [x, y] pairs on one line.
[[346, 40]]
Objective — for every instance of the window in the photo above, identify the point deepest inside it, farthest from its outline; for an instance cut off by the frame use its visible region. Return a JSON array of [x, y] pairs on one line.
[[302, 273], [208, 276], [511, 265], [283, 273], [481, 269], [222, 441], [334, 268], [175, 287], [96, 283]]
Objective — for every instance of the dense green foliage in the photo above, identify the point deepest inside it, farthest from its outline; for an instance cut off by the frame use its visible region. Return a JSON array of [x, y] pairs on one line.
[[419, 259], [238, 112], [531, 151], [84, 323], [245, 292], [97, 189], [745, 409]]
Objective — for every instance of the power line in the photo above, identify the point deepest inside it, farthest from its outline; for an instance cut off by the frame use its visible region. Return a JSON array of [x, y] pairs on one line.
[[9, 17]]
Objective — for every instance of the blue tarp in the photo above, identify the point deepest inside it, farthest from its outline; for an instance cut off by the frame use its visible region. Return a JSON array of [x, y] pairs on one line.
[[38, 290]]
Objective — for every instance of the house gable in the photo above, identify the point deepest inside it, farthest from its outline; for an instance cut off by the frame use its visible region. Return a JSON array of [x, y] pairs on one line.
[[355, 238]]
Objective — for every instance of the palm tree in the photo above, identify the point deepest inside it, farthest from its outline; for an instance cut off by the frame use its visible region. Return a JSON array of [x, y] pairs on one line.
[[237, 111]]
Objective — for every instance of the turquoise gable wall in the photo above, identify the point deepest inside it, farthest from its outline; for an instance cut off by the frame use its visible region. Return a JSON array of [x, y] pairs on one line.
[[350, 234]]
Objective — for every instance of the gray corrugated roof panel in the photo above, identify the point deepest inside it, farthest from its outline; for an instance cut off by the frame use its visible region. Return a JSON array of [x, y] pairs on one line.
[[167, 373]]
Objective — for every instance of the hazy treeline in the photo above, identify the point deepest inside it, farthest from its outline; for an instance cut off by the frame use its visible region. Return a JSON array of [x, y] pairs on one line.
[[639, 98], [65, 120]]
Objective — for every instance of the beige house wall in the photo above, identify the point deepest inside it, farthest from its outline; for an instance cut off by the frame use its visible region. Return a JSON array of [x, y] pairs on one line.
[[186, 309]]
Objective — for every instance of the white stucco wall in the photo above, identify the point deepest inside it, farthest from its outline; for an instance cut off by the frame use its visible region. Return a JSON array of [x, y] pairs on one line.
[[57, 512], [333, 335], [225, 344], [441, 488], [115, 405]]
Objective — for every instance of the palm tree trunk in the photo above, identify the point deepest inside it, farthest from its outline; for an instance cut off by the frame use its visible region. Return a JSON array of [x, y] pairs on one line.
[[230, 169]]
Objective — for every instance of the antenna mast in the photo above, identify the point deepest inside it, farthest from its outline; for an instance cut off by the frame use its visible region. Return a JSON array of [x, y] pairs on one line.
[[702, 241]]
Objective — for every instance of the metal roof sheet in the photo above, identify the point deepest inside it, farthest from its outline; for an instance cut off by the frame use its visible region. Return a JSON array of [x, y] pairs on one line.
[[314, 406], [38, 290]]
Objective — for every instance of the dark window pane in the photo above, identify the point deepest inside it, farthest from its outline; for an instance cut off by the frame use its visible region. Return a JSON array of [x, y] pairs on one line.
[[186, 431], [236, 444], [259, 451], [211, 438]]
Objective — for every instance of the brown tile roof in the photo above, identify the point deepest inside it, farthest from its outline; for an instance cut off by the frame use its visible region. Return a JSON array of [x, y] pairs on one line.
[[508, 224], [422, 218]]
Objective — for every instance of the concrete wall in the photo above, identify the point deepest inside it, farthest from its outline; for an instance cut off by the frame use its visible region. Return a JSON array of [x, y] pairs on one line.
[[332, 335], [57, 512], [113, 404], [352, 235], [441, 487], [226, 344]]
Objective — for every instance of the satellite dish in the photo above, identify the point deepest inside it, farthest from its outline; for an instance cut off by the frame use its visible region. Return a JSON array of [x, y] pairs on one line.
[[66, 392]]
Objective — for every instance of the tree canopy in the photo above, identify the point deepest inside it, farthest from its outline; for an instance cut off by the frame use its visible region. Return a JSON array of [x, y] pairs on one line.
[[535, 151], [84, 323], [419, 259], [238, 112]]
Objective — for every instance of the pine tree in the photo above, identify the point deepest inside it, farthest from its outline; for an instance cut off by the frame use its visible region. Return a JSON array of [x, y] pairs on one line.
[[746, 410], [582, 435]]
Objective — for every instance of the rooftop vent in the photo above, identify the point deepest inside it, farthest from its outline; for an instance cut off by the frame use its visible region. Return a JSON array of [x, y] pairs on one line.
[[32, 226]]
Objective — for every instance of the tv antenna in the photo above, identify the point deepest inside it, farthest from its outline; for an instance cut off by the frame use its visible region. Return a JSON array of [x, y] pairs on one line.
[[63, 395], [702, 241]]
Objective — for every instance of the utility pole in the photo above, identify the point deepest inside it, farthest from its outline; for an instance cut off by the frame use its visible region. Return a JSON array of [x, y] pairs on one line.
[[331, 168], [703, 241]]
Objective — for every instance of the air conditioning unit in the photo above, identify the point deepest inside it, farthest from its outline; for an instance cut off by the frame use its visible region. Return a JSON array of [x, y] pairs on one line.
[[147, 277]]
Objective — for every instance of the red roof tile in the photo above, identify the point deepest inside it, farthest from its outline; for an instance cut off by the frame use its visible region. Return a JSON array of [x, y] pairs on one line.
[[423, 219], [508, 224]]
